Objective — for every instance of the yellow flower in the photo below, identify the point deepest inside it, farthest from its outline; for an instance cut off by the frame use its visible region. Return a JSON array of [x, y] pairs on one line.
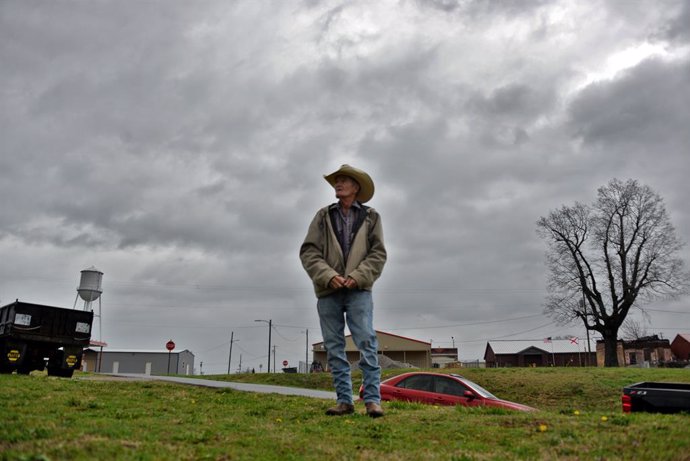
[[542, 428], [604, 419], [576, 412], [278, 420]]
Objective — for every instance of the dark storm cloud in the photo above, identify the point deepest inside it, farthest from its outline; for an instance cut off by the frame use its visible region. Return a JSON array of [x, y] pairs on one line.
[[132, 92], [636, 126], [678, 29], [484, 8], [512, 103], [646, 106]]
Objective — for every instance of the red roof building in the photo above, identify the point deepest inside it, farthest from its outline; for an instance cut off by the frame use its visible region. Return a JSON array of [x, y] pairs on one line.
[[680, 347]]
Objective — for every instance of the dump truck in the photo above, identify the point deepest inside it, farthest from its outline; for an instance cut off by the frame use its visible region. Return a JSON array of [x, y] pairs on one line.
[[655, 397], [36, 337]]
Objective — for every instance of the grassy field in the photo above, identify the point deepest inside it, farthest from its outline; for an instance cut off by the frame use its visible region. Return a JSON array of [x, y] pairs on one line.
[[46, 418]]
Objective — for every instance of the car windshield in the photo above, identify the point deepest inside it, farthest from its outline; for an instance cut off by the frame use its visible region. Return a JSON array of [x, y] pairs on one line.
[[478, 389]]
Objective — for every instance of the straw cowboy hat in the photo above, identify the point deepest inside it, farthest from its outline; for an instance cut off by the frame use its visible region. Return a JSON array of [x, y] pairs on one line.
[[366, 185]]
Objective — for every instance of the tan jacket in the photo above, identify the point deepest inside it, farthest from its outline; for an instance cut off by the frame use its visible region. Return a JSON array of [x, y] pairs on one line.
[[322, 256]]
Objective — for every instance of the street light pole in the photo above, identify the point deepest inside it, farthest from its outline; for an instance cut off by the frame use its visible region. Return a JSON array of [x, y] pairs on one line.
[[270, 323]]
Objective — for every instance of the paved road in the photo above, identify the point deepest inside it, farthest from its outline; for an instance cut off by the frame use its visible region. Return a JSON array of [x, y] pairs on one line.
[[261, 388]]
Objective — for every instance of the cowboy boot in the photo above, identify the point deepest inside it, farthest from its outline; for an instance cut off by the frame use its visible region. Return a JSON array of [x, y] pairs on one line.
[[341, 409], [374, 409]]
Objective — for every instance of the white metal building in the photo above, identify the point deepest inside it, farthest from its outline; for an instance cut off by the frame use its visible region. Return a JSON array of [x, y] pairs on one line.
[[137, 361]]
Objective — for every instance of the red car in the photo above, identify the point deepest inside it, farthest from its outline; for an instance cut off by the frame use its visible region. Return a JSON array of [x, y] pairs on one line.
[[442, 389]]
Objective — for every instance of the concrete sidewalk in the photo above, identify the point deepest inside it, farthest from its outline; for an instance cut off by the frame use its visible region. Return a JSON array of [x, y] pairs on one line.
[[260, 388]]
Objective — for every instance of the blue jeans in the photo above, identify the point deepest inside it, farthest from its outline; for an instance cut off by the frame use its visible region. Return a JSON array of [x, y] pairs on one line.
[[357, 309]]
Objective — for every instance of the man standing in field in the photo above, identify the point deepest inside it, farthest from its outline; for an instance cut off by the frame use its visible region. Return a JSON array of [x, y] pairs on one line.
[[344, 254]]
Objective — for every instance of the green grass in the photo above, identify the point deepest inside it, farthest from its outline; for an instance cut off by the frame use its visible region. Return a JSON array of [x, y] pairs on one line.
[[45, 418]]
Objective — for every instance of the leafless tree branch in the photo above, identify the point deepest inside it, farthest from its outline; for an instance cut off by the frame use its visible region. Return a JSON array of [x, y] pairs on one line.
[[623, 242]]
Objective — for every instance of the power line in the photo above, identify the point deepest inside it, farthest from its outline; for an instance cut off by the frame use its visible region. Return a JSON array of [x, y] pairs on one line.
[[669, 312], [286, 339], [507, 336], [465, 324], [214, 347], [264, 288], [198, 306], [446, 325]]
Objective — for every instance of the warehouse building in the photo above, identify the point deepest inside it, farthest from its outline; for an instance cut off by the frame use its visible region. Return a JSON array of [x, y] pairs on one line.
[[137, 361], [395, 348]]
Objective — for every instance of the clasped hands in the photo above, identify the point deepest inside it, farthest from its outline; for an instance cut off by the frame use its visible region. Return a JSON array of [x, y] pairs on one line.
[[339, 282]]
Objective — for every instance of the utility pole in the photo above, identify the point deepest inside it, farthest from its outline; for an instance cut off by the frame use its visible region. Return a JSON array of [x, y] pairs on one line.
[[239, 368], [274, 359], [589, 345], [306, 353], [232, 335], [270, 327]]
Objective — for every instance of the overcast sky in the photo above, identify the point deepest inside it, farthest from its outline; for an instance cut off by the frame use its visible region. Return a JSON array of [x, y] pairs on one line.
[[180, 148]]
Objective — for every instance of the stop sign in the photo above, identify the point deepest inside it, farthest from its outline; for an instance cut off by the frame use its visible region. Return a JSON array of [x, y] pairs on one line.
[[285, 362], [170, 345]]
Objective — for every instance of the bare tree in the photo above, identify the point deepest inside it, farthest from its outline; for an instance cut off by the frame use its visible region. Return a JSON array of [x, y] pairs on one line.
[[605, 258], [632, 330]]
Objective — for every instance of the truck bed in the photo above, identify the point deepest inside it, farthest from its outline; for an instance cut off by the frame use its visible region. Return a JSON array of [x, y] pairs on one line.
[[35, 337], [36, 322], [656, 397]]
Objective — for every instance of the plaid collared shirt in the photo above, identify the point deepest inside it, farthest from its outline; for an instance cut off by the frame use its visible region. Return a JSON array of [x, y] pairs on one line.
[[344, 224]]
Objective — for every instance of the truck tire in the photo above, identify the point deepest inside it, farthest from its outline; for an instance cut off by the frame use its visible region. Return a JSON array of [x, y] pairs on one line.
[[60, 372], [55, 365]]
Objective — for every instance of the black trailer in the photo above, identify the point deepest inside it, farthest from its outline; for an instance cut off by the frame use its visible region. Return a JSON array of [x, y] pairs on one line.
[[656, 397], [35, 337]]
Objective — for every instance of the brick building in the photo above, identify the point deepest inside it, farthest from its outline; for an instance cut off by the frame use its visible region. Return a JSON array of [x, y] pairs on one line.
[[535, 353], [680, 346], [646, 351]]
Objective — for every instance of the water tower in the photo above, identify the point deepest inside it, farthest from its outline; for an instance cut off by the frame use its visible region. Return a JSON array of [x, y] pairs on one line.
[[90, 288]]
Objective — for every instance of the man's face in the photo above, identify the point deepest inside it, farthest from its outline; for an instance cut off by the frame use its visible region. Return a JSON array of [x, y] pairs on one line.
[[345, 187]]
